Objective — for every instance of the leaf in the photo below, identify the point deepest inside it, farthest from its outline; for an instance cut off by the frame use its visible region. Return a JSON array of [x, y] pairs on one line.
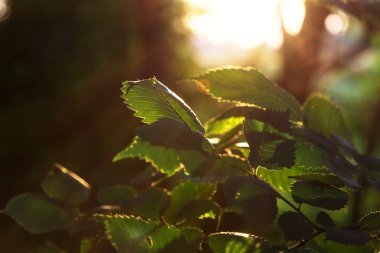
[[133, 234], [48, 247], [224, 167], [233, 242], [247, 85], [152, 101], [252, 199], [294, 227], [183, 194], [37, 214], [169, 133], [370, 223], [164, 159], [148, 204], [114, 195], [319, 194], [324, 116], [87, 244], [223, 126], [325, 220], [348, 236], [64, 185], [270, 150], [329, 179], [193, 235]]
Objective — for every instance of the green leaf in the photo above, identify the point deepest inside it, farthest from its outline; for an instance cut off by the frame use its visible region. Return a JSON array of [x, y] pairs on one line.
[[319, 194], [325, 220], [133, 234], [87, 244], [294, 227], [197, 210], [169, 133], [247, 85], [252, 199], [114, 195], [164, 159], [152, 101], [48, 247], [148, 204], [329, 179], [324, 116], [223, 126], [325, 245], [268, 147], [233, 242], [64, 185], [37, 214], [193, 235], [370, 223], [348, 236], [183, 194], [224, 167]]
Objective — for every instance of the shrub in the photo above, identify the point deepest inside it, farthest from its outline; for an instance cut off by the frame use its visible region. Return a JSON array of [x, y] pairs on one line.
[[264, 175]]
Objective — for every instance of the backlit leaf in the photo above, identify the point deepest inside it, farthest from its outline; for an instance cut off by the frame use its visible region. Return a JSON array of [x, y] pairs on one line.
[[132, 234], [247, 85], [370, 223], [152, 101], [183, 194], [232, 242], [324, 116], [164, 159]]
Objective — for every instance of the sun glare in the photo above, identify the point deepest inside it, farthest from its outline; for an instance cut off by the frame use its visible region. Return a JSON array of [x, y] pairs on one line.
[[244, 23]]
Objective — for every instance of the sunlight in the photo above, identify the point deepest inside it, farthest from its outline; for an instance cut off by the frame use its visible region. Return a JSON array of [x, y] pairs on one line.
[[336, 23], [244, 23], [4, 10]]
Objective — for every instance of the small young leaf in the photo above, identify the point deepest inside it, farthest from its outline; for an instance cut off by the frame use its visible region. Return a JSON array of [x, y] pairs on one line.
[[164, 159], [325, 220], [37, 214], [64, 185], [319, 194], [294, 227], [114, 195], [324, 116], [370, 223], [347, 236], [247, 85], [152, 101]]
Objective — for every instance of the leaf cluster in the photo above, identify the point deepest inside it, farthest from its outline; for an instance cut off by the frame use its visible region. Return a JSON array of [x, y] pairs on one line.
[[274, 178]]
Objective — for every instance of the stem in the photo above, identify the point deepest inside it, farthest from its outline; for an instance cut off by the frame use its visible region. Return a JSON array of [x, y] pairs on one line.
[[299, 212]]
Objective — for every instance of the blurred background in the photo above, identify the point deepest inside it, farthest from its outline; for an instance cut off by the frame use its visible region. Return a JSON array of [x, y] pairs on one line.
[[62, 64]]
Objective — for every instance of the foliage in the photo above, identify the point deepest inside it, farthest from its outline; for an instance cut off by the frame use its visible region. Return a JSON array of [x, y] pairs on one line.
[[276, 180]]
